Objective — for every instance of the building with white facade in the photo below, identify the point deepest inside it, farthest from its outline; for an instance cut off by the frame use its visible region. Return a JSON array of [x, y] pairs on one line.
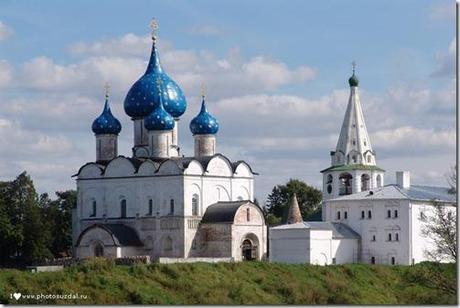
[[158, 202], [380, 223]]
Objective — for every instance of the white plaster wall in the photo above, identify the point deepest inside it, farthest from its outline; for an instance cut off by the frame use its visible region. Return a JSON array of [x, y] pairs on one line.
[[320, 247], [345, 250], [289, 245]]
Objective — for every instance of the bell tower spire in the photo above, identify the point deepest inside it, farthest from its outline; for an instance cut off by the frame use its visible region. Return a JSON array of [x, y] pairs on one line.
[[353, 165]]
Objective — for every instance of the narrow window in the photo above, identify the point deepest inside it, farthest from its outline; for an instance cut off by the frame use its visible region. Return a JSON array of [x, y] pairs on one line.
[[369, 214], [368, 156], [373, 238], [150, 207], [195, 205], [396, 214], [345, 215], [334, 261], [373, 260], [389, 237], [194, 244], [393, 261], [171, 206], [389, 214], [363, 215], [338, 215], [123, 208], [93, 214], [397, 237], [248, 214], [422, 216]]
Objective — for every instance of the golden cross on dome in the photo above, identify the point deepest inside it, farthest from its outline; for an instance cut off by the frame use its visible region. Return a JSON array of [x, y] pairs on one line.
[[154, 27], [353, 65], [107, 88], [203, 90]]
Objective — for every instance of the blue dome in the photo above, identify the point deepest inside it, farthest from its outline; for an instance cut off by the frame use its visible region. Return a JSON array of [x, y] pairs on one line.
[[143, 97], [159, 119], [106, 123], [204, 123]]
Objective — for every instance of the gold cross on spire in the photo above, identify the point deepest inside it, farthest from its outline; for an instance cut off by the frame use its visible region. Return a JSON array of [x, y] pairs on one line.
[[107, 88], [353, 65], [154, 27], [203, 90]]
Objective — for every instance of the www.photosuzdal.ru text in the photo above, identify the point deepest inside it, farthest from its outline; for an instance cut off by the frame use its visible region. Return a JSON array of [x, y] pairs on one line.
[[41, 296]]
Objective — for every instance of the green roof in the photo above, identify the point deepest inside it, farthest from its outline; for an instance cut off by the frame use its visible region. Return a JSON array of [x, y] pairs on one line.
[[352, 167]]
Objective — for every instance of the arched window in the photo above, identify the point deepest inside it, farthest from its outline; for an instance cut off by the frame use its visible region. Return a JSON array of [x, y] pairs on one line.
[[248, 214], [363, 215], [396, 214], [329, 179], [150, 213], [379, 180], [396, 237], [345, 215], [365, 180], [389, 237], [345, 180], [93, 213], [368, 158], [393, 261], [195, 204], [372, 260], [388, 213], [171, 206], [373, 238], [369, 214], [338, 215], [123, 207]]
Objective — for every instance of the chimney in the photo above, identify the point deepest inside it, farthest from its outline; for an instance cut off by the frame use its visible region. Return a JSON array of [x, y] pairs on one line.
[[294, 215], [403, 179]]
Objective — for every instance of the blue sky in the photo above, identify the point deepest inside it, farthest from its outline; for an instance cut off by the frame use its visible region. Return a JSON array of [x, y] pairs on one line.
[[403, 50]]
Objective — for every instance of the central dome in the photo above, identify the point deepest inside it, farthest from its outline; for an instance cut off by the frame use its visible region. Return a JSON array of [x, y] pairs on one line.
[[144, 97]]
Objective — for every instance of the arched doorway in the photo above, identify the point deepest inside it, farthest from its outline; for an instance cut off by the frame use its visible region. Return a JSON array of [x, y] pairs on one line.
[[250, 248], [98, 250], [345, 180]]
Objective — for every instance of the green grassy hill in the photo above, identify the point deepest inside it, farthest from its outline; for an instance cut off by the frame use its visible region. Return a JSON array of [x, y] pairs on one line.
[[237, 283]]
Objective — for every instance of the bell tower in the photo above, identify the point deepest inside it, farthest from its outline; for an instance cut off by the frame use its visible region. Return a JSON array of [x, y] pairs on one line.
[[353, 166]]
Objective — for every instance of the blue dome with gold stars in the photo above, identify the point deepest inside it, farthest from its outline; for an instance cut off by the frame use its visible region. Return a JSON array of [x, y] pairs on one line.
[[159, 119], [143, 97], [204, 123], [106, 123]]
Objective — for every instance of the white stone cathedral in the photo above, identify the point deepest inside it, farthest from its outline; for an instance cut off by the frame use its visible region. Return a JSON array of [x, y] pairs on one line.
[[158, 202], [363, 220]]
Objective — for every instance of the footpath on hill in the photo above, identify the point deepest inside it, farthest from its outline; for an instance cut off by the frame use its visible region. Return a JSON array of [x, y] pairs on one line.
[[99, 281]]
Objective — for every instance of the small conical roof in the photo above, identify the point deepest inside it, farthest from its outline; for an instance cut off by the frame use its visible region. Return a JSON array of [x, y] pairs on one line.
[[294, 215]]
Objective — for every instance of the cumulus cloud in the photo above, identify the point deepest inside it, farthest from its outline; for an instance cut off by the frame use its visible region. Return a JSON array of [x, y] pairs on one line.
[[6, 73], [5, 31]]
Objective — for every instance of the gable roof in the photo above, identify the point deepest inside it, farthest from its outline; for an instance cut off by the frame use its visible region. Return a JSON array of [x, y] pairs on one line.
[[393, 191], [223, 212]]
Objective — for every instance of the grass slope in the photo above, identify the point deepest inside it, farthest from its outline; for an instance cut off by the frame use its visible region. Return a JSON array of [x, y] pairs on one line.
[[237, 283]]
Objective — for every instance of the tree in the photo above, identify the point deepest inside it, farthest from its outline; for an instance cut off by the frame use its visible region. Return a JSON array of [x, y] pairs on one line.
[[308, 197], [441, 228]]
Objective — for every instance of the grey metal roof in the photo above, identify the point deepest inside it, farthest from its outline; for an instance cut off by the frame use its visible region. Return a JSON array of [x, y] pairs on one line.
[[121, 234], [339, 230], [222, 212], [393, 191]]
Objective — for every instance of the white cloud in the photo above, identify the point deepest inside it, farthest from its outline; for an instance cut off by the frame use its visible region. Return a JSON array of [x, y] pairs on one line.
[[5, 31], [6, 73]]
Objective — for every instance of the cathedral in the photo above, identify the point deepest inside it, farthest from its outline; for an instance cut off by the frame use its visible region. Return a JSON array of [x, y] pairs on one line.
[[363, 220], [158, 202]]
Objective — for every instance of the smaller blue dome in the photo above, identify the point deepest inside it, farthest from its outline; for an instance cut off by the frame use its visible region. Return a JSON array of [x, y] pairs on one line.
[[106, 123], [204, 123], [159, 119]]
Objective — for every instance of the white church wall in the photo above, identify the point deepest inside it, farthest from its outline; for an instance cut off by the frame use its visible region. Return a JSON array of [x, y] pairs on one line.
[[345, 250], [421, 214], [289, 245], [119, 167], [320, 247]]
